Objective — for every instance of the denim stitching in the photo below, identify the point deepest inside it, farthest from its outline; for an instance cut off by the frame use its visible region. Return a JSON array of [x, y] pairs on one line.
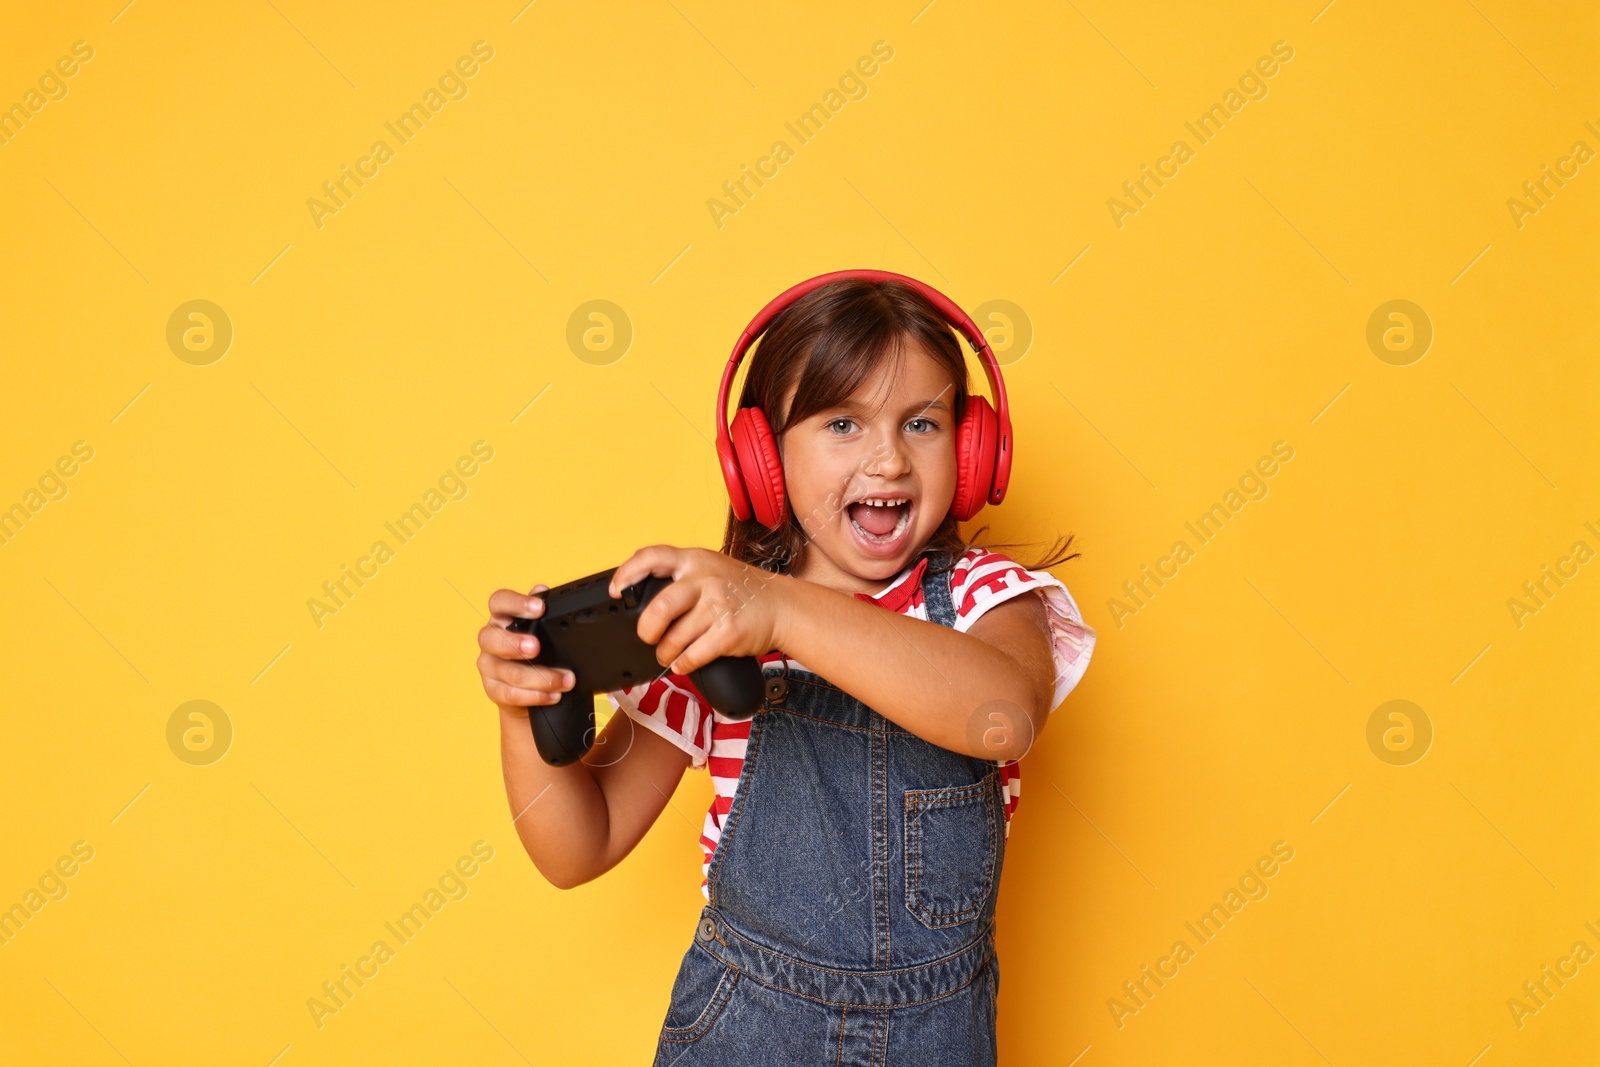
[[805, 965], [847, 1003], [741, 800], [828, 722], [719, 1000], [948, 797], [879, 745]]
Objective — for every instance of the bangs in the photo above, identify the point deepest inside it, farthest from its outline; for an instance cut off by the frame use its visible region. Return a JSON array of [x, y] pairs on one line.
[[841, 363], [844, 340]]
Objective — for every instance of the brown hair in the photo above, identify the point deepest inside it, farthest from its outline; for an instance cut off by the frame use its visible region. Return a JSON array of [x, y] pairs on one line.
[[826, 345]]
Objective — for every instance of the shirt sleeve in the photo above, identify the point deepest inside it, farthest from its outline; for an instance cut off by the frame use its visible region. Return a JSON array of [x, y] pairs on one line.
[[984, 579], [670, 706]]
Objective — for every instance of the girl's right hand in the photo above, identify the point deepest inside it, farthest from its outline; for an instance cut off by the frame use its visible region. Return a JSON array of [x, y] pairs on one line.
[[509, 682]]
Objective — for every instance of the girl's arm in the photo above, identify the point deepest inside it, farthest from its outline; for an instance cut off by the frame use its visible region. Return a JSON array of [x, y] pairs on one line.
[[985, 693], [578, 821]]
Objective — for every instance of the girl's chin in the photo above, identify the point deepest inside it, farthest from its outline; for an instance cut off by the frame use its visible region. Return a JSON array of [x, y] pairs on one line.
[[861, 566]]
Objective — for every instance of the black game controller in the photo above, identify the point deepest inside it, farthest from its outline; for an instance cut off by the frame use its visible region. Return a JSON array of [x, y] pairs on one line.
[[597, 638]]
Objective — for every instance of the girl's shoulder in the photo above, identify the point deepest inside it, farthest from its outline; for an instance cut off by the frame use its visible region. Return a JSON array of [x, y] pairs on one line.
[[982, 578]]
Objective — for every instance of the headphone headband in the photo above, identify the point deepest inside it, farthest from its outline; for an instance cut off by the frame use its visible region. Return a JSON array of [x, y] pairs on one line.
[[953, 316]]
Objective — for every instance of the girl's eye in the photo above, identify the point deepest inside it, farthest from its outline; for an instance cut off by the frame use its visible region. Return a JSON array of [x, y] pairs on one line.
[[837, 422], [927, 424]]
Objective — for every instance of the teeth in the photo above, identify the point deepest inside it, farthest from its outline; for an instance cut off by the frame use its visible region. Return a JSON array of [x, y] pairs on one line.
[[885, 503]]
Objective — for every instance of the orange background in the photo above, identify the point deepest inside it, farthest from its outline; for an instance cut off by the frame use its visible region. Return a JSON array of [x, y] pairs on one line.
[[1151, 363]]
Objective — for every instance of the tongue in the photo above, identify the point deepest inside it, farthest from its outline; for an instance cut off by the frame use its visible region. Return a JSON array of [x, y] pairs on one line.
[[878, 521]]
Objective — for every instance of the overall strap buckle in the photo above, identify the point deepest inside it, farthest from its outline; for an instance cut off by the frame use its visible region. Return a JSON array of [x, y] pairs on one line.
[[777, 687]]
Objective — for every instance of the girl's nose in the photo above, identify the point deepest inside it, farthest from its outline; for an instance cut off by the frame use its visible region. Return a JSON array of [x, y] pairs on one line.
[[886, 460]]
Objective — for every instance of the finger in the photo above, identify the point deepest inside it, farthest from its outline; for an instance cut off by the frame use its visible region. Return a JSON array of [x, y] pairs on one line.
[[511, 602], [704, 649], [684, 632], [529, 676], [523, 675], [662, 560], [657, 616], [506, 604], [498, 641], [511, 696]]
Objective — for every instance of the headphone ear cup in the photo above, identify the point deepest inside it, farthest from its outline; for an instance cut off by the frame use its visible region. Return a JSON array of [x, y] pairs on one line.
[[760, 465], [976, 438]]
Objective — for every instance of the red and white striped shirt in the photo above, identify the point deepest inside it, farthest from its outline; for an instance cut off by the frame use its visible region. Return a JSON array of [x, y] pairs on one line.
[[980, 580]]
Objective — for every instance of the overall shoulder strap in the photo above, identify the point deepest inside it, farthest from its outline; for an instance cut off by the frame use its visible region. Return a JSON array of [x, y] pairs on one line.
[[936, 578]]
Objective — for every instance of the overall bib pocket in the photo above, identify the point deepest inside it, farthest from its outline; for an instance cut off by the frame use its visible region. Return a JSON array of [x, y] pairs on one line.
[[699, 994], [951, 848]]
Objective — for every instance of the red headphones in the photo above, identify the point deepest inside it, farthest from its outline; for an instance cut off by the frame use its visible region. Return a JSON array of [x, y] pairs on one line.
[[753, 469]]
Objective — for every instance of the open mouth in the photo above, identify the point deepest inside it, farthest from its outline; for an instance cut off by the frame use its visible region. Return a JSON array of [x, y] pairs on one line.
[[880, 526]]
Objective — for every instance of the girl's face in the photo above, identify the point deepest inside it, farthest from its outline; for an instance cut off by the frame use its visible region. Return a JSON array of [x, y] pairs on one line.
[[893, 446]]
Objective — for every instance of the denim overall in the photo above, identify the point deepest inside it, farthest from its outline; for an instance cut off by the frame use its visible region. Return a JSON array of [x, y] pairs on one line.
[[852, 894]]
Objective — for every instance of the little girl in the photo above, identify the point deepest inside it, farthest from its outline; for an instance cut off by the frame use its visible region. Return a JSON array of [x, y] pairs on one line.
[[854, 845]]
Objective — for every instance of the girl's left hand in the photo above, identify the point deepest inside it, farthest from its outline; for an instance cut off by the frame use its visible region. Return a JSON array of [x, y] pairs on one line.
[[715, 606]]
